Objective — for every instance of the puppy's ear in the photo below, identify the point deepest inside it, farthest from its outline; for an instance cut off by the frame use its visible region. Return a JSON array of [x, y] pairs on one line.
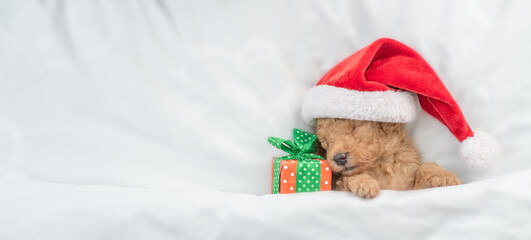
[[319, 150], [321, 128]]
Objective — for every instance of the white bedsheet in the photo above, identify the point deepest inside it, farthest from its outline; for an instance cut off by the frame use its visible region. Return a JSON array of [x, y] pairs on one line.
[[149, 119], [493, 209]]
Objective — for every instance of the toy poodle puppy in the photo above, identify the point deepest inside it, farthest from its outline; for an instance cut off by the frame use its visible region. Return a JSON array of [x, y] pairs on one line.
[[369, 156]]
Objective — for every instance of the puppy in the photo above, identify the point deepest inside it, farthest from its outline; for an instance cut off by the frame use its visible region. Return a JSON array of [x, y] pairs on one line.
[[369, 156]]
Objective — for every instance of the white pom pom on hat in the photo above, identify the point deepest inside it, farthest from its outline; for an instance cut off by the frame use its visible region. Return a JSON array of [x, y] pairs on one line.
[[378, 83], [479, 150]]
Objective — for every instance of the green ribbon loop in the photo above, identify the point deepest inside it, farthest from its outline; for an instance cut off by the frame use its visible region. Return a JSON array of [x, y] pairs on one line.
[[301, 149]]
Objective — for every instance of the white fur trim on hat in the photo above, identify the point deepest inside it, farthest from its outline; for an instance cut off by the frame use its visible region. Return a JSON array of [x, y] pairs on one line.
[[479, 151], [325, 101]]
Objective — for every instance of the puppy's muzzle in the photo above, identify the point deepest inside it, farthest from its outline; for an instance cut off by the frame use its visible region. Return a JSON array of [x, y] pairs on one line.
[[340, 159]]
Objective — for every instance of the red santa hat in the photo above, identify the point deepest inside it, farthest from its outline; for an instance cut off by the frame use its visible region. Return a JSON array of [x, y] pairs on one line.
[[379, 83]]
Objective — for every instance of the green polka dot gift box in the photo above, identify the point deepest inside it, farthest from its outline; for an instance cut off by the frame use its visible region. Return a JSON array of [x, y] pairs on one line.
[[301, 170]]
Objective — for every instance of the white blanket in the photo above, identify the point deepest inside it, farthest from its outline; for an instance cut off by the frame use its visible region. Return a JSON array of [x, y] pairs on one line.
[[499, 208], [149, 119]]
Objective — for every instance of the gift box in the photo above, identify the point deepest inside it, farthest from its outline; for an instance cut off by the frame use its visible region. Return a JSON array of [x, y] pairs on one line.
[[295, 176], [301, 170]]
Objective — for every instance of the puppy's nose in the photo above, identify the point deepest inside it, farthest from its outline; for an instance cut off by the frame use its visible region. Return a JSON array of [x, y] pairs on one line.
[[340, 158]]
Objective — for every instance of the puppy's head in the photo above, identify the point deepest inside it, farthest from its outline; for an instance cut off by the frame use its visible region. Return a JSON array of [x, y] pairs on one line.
[[351, 146]]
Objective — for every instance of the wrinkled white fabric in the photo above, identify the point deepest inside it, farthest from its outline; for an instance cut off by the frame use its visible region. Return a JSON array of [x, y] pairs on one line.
[[492, 209], [180, 96]]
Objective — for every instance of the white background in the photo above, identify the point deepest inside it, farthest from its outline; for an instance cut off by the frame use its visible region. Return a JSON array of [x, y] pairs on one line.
[[180, 95]]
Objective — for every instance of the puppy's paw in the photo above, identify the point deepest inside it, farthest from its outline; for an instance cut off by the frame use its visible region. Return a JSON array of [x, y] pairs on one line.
[[431, 176], [364, 186], [442, 179]]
